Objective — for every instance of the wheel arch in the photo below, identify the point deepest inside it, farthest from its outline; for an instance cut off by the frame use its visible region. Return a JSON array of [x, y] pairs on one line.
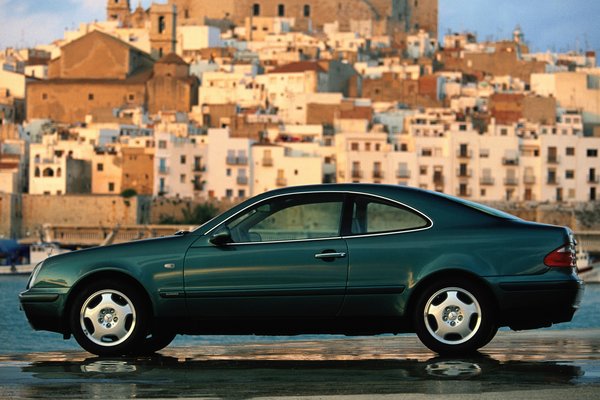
[[425, 282], [104, 274]]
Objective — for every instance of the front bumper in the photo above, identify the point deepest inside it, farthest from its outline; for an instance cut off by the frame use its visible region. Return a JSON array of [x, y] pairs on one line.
[[538, 304], [44, 310]]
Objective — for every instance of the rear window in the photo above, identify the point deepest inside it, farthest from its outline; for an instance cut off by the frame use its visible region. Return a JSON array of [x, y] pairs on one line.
[[370, 215]]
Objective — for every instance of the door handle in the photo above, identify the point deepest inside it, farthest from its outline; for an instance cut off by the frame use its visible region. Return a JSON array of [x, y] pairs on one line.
[[321, 256]]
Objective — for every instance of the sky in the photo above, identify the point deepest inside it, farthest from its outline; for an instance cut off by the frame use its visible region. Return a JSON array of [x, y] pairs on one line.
[[555, 25]]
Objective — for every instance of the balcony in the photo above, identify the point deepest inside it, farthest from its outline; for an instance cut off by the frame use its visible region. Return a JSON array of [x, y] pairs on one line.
[[552, 180], [529, 179], [553, 159], [198, 186], [593, 179], [242, 180], [357, 173], [464, 173], [237, 160], [403, 174], [464, 153], [510, 161], [511, 181], [163, 169], [199, 168], [281, 182], [267, 162], [486, 180], [377, 174]]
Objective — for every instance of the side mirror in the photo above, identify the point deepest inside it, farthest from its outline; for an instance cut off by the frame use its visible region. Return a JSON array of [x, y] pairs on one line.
[[221, 238]]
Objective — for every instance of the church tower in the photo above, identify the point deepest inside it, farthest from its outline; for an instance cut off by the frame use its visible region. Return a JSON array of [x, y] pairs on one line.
[[163, 25], [118, 10]]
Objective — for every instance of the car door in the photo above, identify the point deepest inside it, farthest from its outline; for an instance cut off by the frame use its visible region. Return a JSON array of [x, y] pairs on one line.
[[282, 257], [386, 241]]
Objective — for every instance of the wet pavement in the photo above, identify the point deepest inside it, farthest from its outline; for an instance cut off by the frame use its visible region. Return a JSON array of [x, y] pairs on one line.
[[528, 365]]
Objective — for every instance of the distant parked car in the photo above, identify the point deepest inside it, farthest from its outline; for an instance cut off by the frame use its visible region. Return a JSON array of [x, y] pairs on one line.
[[354, 259]]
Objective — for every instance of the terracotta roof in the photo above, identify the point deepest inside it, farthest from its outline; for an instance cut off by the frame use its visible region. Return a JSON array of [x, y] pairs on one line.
[[300, 66], [171, 58]]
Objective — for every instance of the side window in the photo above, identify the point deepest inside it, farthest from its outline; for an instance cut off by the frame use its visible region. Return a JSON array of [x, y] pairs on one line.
[[289, 218], [371, 215]]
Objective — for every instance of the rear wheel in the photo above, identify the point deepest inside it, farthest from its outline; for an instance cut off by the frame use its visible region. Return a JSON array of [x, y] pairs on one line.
[[454, 317], [109, 318]]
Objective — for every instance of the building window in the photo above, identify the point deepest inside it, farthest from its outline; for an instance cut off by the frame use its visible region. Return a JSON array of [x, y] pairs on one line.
[[44, 96], [423, 170], [570, 151], [229, 193], [182, 178], [256, 9], [48, 172], [182, 159], [241, 193], [281, 10], [162, 144], [131, 97], [111, 186], [354, 146], [228, 172], [90, 96], [307, 10], [161, 24], [569, 174], [37, 172], [592, 152], [99, 167]]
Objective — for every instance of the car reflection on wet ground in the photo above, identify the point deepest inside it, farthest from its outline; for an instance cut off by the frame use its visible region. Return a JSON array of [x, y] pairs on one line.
[[539, 364]]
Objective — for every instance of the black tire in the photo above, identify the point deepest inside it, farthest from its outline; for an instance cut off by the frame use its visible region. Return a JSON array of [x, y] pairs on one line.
[[109, 318], [155, 342], [454, 317]]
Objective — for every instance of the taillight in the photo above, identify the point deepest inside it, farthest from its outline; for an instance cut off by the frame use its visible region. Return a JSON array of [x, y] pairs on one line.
[[563, 257]]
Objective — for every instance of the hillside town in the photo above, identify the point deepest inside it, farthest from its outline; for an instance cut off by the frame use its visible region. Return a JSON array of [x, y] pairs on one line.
[[132, 119]]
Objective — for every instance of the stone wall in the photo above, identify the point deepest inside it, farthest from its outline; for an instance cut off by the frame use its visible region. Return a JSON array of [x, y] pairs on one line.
[[162, 207], [407, 14], [69, 101], [10, 215], [79, 210]]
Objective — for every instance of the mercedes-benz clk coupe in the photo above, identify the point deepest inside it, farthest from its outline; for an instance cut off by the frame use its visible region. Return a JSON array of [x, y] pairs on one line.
[[354, 259]]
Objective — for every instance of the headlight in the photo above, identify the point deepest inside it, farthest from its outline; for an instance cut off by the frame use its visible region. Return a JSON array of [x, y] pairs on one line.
[[34, 274]]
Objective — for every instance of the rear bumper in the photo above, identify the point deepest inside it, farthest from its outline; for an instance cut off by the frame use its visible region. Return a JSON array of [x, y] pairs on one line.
[[530, 304], [44, 310]]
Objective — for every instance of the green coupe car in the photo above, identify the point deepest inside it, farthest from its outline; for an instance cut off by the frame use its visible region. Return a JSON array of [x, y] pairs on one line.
[[354, 259]]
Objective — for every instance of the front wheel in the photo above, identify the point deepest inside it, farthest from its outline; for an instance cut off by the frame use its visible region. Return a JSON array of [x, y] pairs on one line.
[[155, 342], [109, 318], [453, 317]]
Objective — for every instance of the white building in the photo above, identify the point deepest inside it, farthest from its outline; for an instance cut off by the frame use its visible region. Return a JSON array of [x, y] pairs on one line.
[[180, 165], [193, 38], [278, 166], [221, 87], [228, 166]]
